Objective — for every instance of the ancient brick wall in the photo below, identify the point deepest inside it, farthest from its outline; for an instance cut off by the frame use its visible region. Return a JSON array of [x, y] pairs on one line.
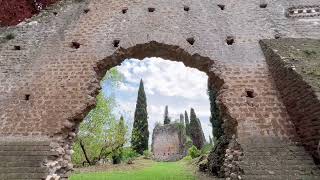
[[50, 71], [168, 142], [24, 158], [297, 77]]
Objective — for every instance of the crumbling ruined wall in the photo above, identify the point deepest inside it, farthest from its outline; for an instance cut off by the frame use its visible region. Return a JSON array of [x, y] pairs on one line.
[[168, 142], [50, 72], [295, 66]]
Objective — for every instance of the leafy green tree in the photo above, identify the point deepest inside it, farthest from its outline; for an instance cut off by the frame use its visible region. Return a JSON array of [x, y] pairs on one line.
[[215, 118], [196, 132], [166, 116], [140, 132], [194, 152], [97, 126], [117, 139], [186, 119]]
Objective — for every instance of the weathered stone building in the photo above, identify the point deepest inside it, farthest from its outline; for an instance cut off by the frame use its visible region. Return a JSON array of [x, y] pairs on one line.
[[169, 142], [50, 73]]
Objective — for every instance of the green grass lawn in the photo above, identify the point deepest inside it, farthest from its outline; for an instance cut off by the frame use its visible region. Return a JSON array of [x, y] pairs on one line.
[[156, 171]]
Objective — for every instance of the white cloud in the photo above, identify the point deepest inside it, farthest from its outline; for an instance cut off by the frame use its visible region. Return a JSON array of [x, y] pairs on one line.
[[165, 77], [126, 87]]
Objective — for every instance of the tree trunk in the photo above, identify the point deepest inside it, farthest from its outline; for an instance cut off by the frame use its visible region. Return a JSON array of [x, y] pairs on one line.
[[84, 152]]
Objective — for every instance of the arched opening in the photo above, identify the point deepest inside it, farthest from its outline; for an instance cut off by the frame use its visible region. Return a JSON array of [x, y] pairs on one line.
[[170, 52]]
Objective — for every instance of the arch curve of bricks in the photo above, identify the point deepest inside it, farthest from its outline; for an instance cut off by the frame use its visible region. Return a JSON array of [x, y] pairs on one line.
[[51, 70]]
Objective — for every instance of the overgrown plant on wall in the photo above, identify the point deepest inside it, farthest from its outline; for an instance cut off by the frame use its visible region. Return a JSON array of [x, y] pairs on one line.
[[140, 132], [99, 134], [216, 158]]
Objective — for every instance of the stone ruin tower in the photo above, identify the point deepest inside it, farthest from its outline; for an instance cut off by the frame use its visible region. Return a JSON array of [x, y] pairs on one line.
[[168, 142]]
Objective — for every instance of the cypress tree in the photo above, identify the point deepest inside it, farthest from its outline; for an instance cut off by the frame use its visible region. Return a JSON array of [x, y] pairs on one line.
[[215, 119], [181, 119], [166, 116], [196, 133], [140, 132], [121, 131], [120, 137], [201, 132], [186, 119]]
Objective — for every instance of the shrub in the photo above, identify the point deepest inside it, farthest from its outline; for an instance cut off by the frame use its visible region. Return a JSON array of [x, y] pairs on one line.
[[206, 149], [10, 36], [194, 152], [147, 154], [189, 142], [116, 159], [129, 154], [187, 158], [309, 52]]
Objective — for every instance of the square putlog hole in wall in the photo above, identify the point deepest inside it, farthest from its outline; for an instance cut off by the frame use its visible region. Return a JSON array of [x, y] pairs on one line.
[[75, 45], [17, 48], [250, 94], [151, 9], [186, 8], [191, 40], [124, 10], [221, 6], [277, 36], [230, 40], [263, 5], [116, 43], [86, 11], [27, 97]]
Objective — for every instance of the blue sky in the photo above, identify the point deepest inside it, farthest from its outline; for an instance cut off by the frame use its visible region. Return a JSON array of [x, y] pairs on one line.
[[166, 83]]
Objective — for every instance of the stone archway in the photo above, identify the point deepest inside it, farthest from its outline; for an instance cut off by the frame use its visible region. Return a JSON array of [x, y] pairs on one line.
[[152, 49], [50, 73], [240, 100]]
